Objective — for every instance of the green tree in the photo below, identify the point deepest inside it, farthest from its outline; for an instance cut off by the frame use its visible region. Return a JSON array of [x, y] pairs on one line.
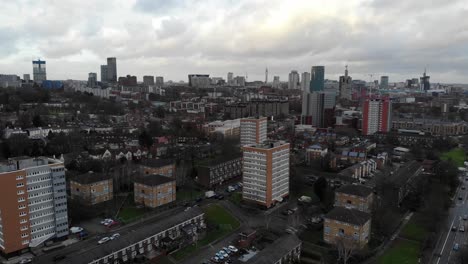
[[37, 121], [145, 139], [320, 188]]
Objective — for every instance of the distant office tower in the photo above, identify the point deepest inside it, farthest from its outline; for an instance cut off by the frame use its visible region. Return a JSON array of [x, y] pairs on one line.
[[217, 80], [92, 79], [318, 109], [415, 81], [148, 80], [345, 85], [377, 115], [26, 78], [39, 71], [239, 81], [33, 204], [128, 80], [230, 76], [276, 82], [159, 81], [112, 70], [293, 80], [266, 75], [384, 82], [425, 84], [265, 172], [253, 130], [199, 80], [376, 83], [317, 78], [305, 81], [10, 80], [104, 73]]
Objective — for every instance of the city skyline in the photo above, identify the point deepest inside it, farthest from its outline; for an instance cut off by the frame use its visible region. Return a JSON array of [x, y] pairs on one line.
[[161, 38]]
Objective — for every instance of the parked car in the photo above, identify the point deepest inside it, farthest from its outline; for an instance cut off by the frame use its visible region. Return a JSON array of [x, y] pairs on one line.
[[113, 223], [25, 260], [76, 229], [115, 236], [219, 197], [59, 257], [462, 228], [456, 247], [106, 221], [233, 248], [103, 240], [460, 198], [454, 228], [463, 187], [465, 217]]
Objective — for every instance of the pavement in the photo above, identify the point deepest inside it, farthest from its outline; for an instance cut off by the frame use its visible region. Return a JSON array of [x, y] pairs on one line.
[[444, 253]]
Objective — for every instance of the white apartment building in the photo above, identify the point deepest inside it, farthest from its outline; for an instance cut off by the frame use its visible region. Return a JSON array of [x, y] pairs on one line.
[[253, 130], [33, 207], [266, 172]]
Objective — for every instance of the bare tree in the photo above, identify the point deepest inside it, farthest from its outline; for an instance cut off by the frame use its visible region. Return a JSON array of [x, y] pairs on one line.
[[346, 247]]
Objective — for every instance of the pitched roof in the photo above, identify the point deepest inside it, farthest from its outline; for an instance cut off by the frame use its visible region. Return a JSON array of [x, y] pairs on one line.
[[153, 179], [352, 216], [276, 251], [358, 190]]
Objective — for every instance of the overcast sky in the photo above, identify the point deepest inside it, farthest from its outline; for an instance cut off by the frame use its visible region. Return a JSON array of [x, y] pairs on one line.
[[174, 38]]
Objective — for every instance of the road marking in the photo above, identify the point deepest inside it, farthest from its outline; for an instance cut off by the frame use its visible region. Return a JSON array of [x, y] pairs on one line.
[[448, 234]]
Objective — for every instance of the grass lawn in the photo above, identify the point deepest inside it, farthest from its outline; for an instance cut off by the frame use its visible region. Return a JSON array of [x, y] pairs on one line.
[[217, 216], [402, 252], [413, 230], [236, 198], [457, 155], [129, 214]]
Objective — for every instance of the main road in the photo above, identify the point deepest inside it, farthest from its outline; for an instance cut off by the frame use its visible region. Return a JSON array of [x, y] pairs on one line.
[[444, 252]]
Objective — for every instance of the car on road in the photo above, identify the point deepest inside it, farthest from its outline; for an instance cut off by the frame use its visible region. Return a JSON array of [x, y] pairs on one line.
[[454, 228], [462, 228], [463, 187], [59, 257], [460, 198], [456, 247], [114, 236], [465, 217], [25, 260], [76, 229], [103, 240]]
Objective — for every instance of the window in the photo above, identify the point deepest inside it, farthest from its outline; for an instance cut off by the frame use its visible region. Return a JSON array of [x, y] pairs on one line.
[[341, 232], [327, 230], [19, 184]]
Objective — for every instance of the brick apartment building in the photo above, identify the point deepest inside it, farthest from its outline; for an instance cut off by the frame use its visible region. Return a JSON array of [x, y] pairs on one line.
[[154, 190], [92, 188], [355, 197], [350, 225], [218, 171], [253, 130], [164, 167]]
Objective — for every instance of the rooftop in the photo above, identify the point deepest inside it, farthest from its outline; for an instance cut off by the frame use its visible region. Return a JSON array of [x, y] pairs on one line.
[[268, 144], [153, 179], [157, 163], [276, 250], [90, 177], [405, 172], [351, 216], [358, 190]]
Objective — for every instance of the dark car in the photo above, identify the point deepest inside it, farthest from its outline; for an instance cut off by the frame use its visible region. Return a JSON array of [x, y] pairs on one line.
[[198, 200], [220, 197], [460, 198]]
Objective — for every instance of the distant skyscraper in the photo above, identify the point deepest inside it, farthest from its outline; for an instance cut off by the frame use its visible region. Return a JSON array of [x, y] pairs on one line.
[[103, 73], [39, 71], [317, 78], [148, 80], [384, 82], [230, 77], [377, 115], [239, 81], [26, 78], [318, 108], [159, 81], [92, 79], [425, 84], [199, 80], [345, 84], [112, 69], [276, 82], [293, 80], [266, 75], [305, 81]]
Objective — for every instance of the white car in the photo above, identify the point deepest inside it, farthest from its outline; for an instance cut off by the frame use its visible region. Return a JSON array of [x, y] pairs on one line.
[[25, 260], [224, 254], [115, 236], [103, 240], [233, 249], [75, 229], [106, 221]]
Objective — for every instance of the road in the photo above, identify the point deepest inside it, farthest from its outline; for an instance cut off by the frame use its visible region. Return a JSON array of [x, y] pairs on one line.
[[444, 253]]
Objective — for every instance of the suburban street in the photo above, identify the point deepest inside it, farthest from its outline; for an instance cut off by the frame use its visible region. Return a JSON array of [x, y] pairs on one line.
[[449, 238]]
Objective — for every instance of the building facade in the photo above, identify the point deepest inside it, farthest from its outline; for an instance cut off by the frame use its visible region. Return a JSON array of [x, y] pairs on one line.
[[33, 208], [39, 71], [265, 172], [253, 130], [384, 82], [293, 80], [217, 172], [317, 108], [345, 84], [154, 190], [377, 115], [163, 167], [258, 107], [230, 77], [317, 79], [92, 188], [349, 226], [148, 80], [112, 70], [357, 197], [432, 126], [305, 81], [276, 82], [103, 73], [92, 79]]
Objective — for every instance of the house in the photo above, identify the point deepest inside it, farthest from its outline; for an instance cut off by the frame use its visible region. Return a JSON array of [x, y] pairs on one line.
[[347, 225], [154, 190], [218, 171], [315, 151], [92, 188], [355, 196]]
